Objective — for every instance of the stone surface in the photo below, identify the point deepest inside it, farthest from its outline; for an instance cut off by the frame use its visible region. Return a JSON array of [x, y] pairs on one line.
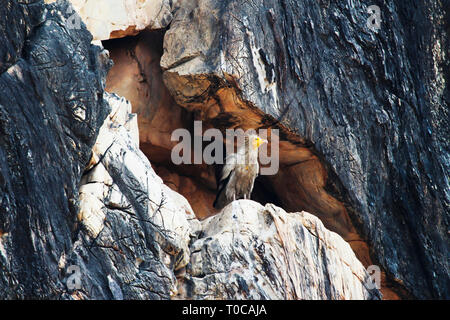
[[371, 106], [117, 227], [51, 108], [253, 252], [136, 75], [323, 264], [364, 129], [136, 228], [18, 20], [110, 19]]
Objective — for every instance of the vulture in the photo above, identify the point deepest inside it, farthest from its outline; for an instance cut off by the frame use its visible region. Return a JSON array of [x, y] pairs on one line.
[[239, 172]]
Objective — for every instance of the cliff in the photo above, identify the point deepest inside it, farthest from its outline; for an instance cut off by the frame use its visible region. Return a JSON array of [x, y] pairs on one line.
[[86, 178]]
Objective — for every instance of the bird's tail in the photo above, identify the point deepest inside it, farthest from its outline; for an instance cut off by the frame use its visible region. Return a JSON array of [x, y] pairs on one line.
[[219, 202]]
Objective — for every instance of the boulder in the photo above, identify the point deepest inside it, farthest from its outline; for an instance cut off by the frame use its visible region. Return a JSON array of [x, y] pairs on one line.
[[250, 251]]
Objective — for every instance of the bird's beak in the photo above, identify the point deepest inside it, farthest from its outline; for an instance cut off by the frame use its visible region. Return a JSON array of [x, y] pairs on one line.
[[260, 142]]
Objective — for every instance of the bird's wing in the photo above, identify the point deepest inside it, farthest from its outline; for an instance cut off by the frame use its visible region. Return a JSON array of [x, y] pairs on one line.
[[227, 170], [230, 164]]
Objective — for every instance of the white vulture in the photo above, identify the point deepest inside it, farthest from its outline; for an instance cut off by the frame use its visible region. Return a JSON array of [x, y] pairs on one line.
[[239, 172]]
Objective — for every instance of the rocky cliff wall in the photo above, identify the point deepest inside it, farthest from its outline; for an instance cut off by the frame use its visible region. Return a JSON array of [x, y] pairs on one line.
[[83, 213], [363, 118], [51, 109], [372, 105]]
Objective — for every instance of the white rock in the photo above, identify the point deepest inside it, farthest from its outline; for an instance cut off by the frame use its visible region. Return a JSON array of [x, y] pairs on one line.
[[91, 212], [253, 252], [109, 19], [125, 175]]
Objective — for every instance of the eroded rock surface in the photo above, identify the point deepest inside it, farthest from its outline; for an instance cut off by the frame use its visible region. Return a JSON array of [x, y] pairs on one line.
[[134, 229], [253, 252], [51, 108], [246, 251], [372, 106], [117, 226], [137, 75], [364, 133], [110, 19]]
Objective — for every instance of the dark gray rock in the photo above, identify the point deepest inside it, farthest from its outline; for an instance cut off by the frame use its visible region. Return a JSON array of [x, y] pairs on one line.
[[51, 108], [52, 243], [374, 106], [18, 21]]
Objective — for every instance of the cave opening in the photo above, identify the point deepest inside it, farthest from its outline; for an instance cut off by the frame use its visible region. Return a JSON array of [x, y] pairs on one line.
[[301, 182], [137, 76]]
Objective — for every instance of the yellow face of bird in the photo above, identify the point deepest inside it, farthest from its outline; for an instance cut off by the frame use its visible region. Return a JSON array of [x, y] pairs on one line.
[[257, 142]]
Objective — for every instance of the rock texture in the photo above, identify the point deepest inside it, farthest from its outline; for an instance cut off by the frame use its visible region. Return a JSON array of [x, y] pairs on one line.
[[51, 108], [372, 105], [109, 19], [364, 147], [137, 75], [133, 229], [253, 252], [76, 192]]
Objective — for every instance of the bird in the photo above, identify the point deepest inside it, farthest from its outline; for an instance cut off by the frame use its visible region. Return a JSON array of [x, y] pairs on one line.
[[239, 172]]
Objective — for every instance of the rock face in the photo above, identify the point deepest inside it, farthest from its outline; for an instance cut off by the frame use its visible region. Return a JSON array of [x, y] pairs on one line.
[[108, 225], [134, 229], [51, 108], [363, 117], [109, 19], [137, 75], [83, 214], [253, 252], [372, 105]]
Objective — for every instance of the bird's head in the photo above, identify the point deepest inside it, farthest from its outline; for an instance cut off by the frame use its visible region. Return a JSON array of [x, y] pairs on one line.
[[256, 141]]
